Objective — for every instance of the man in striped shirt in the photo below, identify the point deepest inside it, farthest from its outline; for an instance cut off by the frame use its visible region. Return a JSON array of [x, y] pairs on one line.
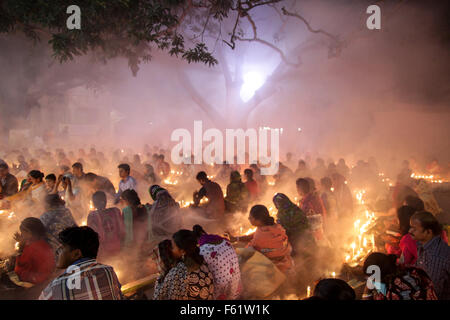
[[84, 278]]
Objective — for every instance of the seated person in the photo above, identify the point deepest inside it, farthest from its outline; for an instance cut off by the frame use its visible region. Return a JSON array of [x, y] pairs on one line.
[[333, 289], [396, 282], [50, 183], [135, 218], [223, 263], [56, 218], [84, 278], [293, 220], [237, 197], [414, 202], [433, 252], [99, 183], [108, 223], [408, 245], [251, 184], [35, 261], [164, 215], [8, 183], [311, 204], [269, 238], [185, 274], [215, 207]]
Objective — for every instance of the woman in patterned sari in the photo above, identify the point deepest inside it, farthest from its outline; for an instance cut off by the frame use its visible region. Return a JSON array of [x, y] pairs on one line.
[[185, 275], [223, 263], [396, 282]]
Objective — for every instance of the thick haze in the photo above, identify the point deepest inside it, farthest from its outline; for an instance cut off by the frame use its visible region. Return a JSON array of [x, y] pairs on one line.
[[386, 95]]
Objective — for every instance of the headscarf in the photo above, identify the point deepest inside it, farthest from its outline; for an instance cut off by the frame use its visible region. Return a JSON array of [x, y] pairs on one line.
[[164, 213], [291, 217], [235, 176], [154, 190], [282, 202]]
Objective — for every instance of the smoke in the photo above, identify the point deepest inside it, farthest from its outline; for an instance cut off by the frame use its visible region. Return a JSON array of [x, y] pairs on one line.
[[389, 83], [385, 95]]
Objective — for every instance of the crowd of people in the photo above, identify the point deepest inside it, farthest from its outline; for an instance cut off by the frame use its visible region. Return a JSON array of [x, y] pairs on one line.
[[74, 222]]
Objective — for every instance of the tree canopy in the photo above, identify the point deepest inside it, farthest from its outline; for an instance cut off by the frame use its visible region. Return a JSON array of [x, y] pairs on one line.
[[128, 28]]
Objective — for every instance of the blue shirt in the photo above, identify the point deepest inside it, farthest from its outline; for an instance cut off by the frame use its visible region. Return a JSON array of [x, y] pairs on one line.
[[434, 258]]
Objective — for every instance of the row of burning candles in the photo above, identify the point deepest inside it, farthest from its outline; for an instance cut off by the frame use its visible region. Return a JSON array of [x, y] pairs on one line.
[[363, 243], [172, 180], [11, 215], [429, 178]]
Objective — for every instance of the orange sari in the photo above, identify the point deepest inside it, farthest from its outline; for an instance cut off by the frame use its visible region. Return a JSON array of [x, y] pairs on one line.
[[272, 241]]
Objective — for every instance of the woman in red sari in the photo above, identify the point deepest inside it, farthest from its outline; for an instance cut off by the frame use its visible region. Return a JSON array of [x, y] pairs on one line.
[[36, 261]]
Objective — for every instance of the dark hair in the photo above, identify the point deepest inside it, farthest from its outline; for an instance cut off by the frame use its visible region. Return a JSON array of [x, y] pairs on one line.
[[99, 200], [165, 248], [198, 230], [187, 241], [78, 165], [125, 167], [51, 176], [83, 238], [386, 263], [202, 176], [90, 177], [334, 289], [428, 222], [131, 197], [303, 185], [53, 201], [326, 182], [3, 165], [404, 214], [260, 213], [139, 211], [248, 173], [161, 156], [36, 174], [415, 202], [312, 183], [35, 226]]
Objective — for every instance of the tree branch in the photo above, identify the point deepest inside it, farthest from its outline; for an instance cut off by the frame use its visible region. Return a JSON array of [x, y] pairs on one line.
[[266, 43], [209, 110], [296, 15]]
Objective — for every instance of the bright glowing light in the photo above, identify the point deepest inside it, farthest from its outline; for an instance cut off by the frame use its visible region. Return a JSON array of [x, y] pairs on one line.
[[252, 82]]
